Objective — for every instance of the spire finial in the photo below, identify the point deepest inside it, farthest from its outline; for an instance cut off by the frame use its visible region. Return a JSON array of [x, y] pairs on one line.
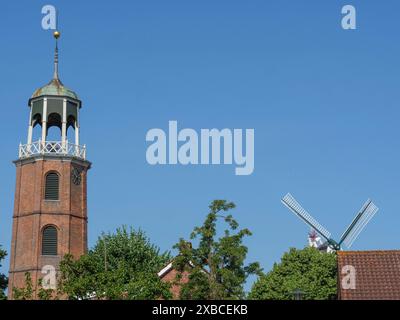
[[56, 35]]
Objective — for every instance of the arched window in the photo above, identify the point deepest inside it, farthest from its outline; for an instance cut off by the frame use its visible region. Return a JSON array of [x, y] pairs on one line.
[[49, 241], [71, 129], [37, 127], [54, 125], [51, 191]]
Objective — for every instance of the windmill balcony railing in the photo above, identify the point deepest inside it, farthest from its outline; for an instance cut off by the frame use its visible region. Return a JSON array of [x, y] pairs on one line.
[[52, 148]]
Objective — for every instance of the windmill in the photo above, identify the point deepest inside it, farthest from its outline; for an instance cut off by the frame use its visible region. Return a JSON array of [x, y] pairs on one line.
[[365, 214]]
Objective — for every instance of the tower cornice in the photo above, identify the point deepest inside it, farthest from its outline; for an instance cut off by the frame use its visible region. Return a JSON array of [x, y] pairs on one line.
[[54, 96], [84, 163]]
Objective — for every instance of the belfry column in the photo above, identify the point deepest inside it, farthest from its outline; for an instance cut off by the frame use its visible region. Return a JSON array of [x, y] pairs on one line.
[[77, 129], [44, 121], [30, 128], [64, 125]]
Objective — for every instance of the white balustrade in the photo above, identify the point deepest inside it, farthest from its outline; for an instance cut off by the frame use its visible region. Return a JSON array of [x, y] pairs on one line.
[[52, 148]]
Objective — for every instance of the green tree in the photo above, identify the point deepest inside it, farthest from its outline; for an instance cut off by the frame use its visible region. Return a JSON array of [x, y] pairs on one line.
[[28, 292], [3, 278], [309, 270], [25, 293], [216, 267], [123, 265]]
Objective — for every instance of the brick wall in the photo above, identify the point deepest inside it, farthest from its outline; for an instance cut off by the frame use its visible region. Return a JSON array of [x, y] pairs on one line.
[[32, 213], [170, 277]]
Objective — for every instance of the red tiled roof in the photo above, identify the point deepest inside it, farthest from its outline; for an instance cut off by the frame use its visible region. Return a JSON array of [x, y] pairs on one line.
[[377, 275]]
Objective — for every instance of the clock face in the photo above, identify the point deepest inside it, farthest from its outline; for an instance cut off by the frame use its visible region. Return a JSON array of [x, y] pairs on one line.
[[76, 176]]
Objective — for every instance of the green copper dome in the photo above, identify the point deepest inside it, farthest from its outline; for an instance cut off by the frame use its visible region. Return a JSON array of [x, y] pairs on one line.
[[55, 88]]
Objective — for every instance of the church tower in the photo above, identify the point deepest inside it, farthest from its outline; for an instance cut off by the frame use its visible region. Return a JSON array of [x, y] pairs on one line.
[[50, 206]]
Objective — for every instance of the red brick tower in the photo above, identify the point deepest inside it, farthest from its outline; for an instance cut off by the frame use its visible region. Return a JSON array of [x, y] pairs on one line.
[[50, 206]]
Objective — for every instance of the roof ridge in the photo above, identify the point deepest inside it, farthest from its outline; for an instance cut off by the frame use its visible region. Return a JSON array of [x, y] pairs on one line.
[[368, 251]]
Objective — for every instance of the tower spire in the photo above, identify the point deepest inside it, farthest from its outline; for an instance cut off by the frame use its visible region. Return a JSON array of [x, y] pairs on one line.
[[56, 35]]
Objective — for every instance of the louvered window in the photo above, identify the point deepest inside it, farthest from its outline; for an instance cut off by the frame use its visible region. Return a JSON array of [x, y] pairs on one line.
[[49, 241], [52, 187]]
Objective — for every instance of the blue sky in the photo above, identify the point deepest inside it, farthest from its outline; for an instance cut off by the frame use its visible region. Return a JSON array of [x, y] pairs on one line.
[[324, 104]]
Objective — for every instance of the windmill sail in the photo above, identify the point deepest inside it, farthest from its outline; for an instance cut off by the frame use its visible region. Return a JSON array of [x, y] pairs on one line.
[[366, 213], [299, 211]]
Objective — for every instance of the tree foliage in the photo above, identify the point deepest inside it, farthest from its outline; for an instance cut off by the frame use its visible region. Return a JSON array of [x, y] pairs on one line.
[[216, 267], [3, 278], [25, 293], [308, 270], [28, 292], [123, 265]]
